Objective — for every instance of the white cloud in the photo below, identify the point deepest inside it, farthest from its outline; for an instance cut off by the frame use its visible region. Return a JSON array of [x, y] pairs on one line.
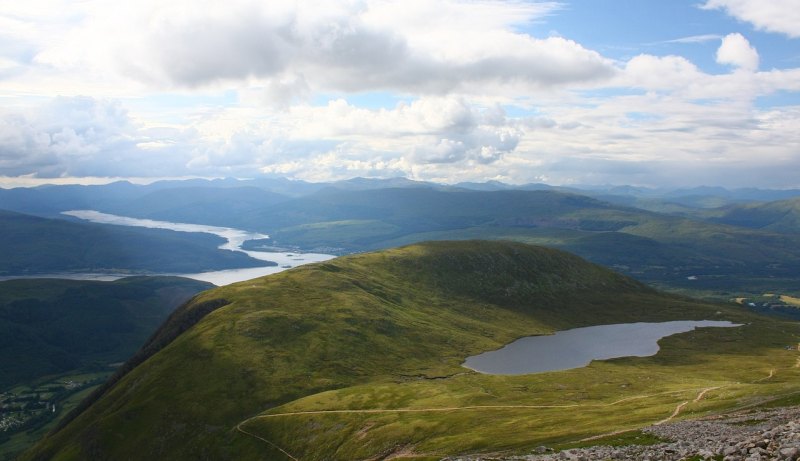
[[204, 88], [79, 136], [695, 39], [781, 16], [339, 46], [737, 51]]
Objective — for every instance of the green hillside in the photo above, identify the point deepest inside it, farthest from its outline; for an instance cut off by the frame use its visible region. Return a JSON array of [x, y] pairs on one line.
[[778, 216], [359, 358], [59, 339], [34, 245], [50, 326]]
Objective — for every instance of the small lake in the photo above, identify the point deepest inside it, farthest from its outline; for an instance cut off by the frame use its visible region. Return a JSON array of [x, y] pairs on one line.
[[576, 348], [234, 238]]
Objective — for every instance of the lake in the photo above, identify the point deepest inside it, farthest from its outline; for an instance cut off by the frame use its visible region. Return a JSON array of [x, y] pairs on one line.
[[234, 238], [576, 348]]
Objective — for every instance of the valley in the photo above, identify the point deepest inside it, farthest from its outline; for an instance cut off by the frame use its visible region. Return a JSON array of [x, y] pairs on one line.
[[694, 252], [383, 336], [361, 357], [60, 339], [387, 230]]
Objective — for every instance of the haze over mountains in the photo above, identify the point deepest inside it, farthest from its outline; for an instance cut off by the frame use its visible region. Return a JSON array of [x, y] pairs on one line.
[[675, 235]]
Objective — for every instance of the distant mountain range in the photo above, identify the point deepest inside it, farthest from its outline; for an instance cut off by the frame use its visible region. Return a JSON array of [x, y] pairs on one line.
[[707, 238], [52, 199]]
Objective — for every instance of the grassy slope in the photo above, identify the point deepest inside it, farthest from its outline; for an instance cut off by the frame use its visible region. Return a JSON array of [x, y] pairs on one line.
[[778, 216], [389, 330], [33, 245], [50, 326]]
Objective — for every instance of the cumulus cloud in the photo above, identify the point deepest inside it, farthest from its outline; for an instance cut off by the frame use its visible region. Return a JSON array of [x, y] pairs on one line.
[[81, 136], [737, 51], [341, 46], [432, 130], [249, 87], [781, 16]]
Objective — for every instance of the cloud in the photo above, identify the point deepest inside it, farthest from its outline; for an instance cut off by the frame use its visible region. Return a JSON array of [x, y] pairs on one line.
[[430, 130], [310, 90], [737, 51], [780, 16], [695, 39], [342, 46], [81, 136]]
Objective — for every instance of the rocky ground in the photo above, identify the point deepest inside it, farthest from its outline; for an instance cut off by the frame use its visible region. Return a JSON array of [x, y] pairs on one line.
[[745, 436]]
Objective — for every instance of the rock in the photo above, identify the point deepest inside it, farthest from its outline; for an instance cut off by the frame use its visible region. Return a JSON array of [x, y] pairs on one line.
[[790, 453], [729, 450], [747, 436]]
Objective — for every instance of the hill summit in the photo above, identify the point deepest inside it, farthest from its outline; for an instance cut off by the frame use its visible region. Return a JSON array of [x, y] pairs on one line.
[[381, 330]]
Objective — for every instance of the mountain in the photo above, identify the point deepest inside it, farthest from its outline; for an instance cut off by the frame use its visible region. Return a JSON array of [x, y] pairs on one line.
[[654, 247], [360, 358], [681, 244], [50, 326], [778, 216], [33, 245], [199, 205], [50, 200]]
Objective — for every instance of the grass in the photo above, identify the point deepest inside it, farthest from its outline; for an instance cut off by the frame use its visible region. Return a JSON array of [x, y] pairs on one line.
[[388, 331], [634, 437], [50, 327], [589, 402]]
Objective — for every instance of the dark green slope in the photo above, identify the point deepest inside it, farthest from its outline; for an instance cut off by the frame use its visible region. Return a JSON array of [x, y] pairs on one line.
[[31, 245], [425, 208], [50, 326], [399, 317], [649, 246], [778, 216], [220, 206]]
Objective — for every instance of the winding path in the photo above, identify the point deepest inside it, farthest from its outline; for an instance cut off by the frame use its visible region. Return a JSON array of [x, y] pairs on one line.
[[674, 414], [239, 428]]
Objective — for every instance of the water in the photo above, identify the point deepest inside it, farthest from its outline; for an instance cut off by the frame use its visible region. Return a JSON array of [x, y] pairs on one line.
[[234, 238], [577, 347]]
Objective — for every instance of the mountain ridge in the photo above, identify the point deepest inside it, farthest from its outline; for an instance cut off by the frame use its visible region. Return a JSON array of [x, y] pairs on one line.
[[348, 327]]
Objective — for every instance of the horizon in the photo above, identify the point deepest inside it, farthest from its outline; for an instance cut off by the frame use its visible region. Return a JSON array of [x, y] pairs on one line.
[[26, 184], [647, 93]]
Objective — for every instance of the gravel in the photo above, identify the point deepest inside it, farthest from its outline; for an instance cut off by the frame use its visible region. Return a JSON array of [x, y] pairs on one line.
[[745, 436]]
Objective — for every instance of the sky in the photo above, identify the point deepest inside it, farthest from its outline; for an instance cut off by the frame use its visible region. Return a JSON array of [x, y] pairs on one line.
[[656, 93]]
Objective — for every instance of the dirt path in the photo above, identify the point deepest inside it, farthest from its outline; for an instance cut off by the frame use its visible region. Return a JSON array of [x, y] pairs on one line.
[[700, 396], [674, 414], [239, 428], [703, 393], [442, 409], [769, 376]]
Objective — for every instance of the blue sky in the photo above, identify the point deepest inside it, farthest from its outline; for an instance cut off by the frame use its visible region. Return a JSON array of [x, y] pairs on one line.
[[643, 92]]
